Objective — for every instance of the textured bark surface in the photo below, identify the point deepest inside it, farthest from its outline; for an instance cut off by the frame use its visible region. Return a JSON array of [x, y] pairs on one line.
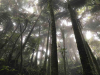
[[93, 59], [81, 48], [54, 61]]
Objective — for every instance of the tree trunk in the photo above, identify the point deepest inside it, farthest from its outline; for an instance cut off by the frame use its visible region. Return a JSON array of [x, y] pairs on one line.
[[81, 48], [21, 63], [41, 55], [54, 60], [64, 50], [95, 63], [35, 63], [92, 60], [45, 61], [49, 57]]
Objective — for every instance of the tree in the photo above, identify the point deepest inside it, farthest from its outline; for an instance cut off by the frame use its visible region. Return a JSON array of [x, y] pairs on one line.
[[63, 54], [54, 60], [81, 48], [46, 56]]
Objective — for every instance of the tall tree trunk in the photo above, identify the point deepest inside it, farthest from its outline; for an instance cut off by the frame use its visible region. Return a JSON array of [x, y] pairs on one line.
[[64, 50], [45, 61], [41, 55], [21, 63], [81, 48], [35, 63], [96, 66], [92, 60], [49, 57], [54, 60]]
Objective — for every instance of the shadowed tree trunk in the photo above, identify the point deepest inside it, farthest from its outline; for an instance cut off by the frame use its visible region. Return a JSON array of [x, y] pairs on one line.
[[63, 37], [21, 63], [92, 59], [80, 44], [96, 66], [49, 57], [54, 60], [46, 56]]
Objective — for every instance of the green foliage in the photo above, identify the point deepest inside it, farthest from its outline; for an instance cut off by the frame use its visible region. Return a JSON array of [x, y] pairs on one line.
[[2, 62], [81, 10], [4, 16], [6, 70], [97, 1], [61, 50], [32, 71]]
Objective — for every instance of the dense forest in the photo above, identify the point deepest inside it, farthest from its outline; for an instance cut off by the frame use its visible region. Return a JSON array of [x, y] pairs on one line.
[[49, 37]]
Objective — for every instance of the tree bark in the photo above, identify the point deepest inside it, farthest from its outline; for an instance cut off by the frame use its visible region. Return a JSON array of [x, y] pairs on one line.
[[81, 48], [21, 63], [54, 60], [63, 37], [45, 61], [94, 61]]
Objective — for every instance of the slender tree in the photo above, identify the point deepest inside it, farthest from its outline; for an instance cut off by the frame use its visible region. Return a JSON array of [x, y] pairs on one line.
[[54, 60], [62, 31], [46, 56], [49, 57], [37, 49], [32, 57], [21, 53]]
